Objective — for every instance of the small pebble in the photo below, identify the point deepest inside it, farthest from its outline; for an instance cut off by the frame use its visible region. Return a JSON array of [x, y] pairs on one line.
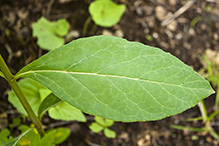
[[160, 13]]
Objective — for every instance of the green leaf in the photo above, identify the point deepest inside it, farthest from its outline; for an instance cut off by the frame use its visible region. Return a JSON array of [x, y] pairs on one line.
[[48, 139], [14, 142], [30, 137], [31, 90], [109, 133], [66, 112], [106, 13], [50, 34], [96, 127], [50, 101], [120, 80], [4, 133], [61, 135], [104, 122]]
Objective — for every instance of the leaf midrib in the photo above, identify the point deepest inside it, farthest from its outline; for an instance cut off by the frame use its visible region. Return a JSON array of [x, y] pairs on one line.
[[102, 75]]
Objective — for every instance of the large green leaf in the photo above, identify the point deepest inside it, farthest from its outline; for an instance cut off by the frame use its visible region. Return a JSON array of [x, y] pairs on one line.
[[119, 80]]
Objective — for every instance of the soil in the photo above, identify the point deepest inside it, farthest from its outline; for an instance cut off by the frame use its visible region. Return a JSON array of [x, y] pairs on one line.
[[186, 37]]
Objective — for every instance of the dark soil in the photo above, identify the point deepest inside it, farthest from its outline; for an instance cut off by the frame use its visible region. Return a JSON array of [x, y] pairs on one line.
[[141, 18]]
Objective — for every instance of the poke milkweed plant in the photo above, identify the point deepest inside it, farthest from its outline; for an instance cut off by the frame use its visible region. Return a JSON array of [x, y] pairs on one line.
[[112, 78]]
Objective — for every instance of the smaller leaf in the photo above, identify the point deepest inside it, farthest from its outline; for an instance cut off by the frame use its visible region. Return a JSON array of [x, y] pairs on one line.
[[106, 13], [95, 127], [24, 141], [66, 112], [103, 122], [16, 121], [5, 132], [61, 135], [44, 92], [48, 33], [14, 142], [50, 101], [109, 133], [48, 139], [30, 136]]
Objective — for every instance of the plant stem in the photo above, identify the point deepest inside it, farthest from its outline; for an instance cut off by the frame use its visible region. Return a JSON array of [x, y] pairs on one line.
[[94, 28], [203, 110], [211, 130], [13, 83], [87, 22], [217, 98]]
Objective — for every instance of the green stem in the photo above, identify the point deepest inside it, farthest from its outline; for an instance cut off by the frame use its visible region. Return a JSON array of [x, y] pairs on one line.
[[13, 83], [212, 116], [87, 22], [94, 28], [211, 131], [217, 98], [203, 110]]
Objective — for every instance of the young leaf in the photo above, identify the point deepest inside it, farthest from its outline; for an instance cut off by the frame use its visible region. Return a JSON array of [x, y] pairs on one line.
[[61, 135], [30, 137], [50, 33], [48, 139], [4, 133], [119, 80], [104, 122], [96, 127], [109, 133], [14, 142], [50, 101], [66, 112], [106, 13]]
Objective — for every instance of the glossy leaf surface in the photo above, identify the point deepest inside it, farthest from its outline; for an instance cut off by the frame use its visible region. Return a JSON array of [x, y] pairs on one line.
[[119, 80]]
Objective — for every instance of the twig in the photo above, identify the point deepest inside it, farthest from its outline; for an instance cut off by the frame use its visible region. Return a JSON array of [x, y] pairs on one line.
[[178, 12]]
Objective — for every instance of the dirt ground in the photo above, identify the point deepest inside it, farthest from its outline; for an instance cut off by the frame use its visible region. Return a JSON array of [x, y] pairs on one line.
[[186, 36]]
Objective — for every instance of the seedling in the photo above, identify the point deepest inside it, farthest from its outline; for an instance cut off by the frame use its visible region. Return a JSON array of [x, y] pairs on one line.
[[104, 13], [50, 34], [113, 78], [102, 124]]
